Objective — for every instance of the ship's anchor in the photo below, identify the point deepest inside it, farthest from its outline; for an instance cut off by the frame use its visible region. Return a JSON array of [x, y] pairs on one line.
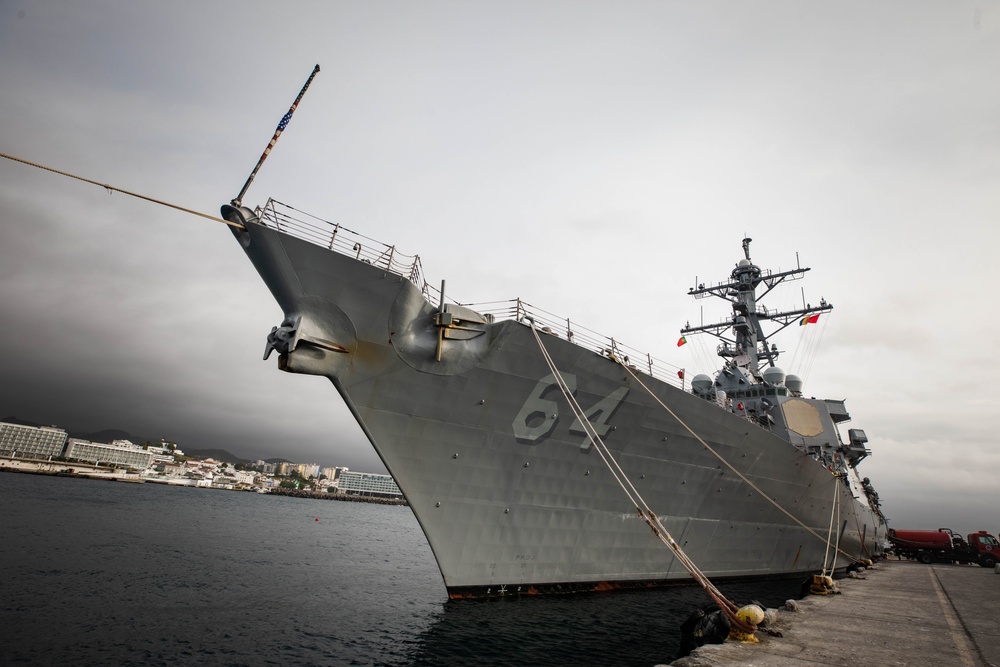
[[286, 338]]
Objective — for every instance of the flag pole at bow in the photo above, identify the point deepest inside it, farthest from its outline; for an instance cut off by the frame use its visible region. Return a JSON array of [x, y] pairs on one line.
[[277, 133]]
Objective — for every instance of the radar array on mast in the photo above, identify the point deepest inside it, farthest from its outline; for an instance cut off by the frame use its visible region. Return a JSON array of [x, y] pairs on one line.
[[749, 343]]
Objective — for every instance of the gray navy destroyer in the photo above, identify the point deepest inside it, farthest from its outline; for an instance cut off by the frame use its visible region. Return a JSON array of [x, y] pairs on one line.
[[464, 411]]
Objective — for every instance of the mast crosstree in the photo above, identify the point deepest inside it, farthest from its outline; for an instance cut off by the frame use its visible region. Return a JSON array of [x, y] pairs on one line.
[[746, 344]]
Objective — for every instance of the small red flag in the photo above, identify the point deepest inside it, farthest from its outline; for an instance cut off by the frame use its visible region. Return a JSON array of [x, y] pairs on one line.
[[809, 320]]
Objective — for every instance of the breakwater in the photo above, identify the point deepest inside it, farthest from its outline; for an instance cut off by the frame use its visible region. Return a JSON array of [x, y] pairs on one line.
[[65, 469], [297, 493]]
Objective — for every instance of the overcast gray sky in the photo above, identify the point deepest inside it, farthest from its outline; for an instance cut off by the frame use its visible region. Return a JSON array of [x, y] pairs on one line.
[[592, 158]]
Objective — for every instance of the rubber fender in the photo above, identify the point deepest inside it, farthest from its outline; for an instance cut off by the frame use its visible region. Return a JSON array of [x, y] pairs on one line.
[[751, 614]]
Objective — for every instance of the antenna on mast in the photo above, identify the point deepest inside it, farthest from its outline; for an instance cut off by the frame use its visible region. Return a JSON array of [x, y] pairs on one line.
[[277, 133]]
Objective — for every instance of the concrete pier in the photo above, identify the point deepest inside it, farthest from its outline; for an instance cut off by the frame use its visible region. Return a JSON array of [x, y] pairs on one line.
[[901, 613]]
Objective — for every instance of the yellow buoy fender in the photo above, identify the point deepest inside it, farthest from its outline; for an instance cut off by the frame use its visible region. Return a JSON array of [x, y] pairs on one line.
[[751, 614]]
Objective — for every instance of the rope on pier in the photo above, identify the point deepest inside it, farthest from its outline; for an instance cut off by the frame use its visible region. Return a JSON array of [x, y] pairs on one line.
[[111, 188]]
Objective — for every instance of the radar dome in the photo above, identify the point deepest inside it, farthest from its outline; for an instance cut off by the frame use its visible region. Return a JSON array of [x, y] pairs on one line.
[[774, 376], [701, 383], [744, 262], [794, 382]]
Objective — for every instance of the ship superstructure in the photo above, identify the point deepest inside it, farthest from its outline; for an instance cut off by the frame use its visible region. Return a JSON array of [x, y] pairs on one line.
[[465, 412], [751, 384]]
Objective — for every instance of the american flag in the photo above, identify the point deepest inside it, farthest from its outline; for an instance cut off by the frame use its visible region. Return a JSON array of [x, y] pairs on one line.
[[284, 121]]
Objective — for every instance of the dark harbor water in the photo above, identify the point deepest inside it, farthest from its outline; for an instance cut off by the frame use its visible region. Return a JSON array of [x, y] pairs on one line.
[[100, 572]]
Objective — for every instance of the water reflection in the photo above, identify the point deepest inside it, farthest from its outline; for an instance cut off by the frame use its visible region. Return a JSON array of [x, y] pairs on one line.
[[612, 628]]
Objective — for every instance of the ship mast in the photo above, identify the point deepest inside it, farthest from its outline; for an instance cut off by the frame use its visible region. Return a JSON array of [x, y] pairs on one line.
[[747, 346]]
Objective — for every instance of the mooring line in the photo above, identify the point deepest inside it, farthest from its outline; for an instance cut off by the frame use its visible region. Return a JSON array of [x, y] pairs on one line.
[[732, 467], [727, 607], [829, 532], [111, 188]]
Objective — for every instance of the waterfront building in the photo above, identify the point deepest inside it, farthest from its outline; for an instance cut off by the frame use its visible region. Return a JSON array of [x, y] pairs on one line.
[[170, 469], [33, 442], [172, 447], [201, 469], [161, 453], [307, 470], [224, 481], [119, 453], [368, 484], [246, 477]]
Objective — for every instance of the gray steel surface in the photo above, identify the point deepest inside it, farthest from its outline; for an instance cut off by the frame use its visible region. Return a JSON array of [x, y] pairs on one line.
[[500, 475]]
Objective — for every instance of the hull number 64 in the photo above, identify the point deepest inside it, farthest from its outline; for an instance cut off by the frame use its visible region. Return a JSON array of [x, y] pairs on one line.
[[539, 414]]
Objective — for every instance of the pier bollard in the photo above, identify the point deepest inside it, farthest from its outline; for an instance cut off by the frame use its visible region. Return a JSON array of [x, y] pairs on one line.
[[996, 569]]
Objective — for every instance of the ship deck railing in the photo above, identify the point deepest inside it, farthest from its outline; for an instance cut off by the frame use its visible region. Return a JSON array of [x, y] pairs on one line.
[[340, 239]]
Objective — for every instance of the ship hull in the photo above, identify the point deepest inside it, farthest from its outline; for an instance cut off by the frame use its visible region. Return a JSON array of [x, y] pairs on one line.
[[504, 482]]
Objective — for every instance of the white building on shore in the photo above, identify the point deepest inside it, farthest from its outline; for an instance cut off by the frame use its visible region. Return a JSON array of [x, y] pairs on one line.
[[32, 442], [120, 452], [368, 484]]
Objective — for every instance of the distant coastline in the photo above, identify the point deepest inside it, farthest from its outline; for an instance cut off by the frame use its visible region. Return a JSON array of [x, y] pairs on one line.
[[29, 447], [94, 472]]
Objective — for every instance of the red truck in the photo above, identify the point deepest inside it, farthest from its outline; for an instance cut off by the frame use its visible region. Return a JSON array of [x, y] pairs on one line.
[[946, 546]]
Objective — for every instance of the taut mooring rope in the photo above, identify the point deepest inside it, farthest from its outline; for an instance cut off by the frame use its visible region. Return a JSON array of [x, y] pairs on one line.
[[124, 192], [733, 468], [645, 513]]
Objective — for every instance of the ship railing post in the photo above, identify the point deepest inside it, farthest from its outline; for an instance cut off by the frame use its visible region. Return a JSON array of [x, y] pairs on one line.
[[388, 264], [274, 214], [649, 360], [415, 275], [419, 275], [333, 236], [569, 331], [264, 210]]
